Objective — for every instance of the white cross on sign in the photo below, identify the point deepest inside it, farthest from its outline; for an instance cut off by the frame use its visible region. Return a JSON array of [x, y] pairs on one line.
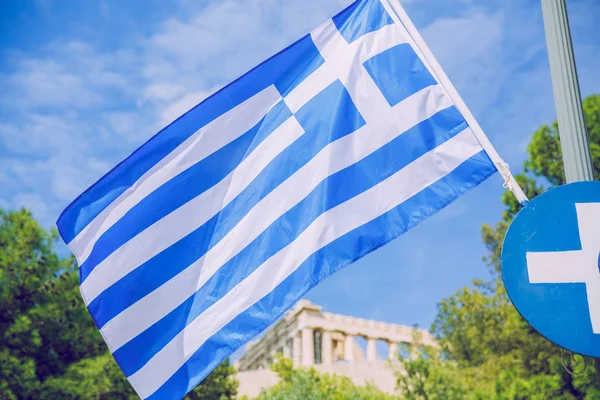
[[579, 266]]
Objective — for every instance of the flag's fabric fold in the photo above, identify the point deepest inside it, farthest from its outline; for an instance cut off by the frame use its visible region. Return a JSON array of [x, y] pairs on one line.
[[207, 233]]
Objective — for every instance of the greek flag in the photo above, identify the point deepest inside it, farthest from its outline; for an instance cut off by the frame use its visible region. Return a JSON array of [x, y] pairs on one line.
[[211, 230]]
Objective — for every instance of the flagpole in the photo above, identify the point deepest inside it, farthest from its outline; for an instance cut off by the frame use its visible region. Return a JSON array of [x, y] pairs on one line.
[[567, 98], [400, 16], [572, 131]]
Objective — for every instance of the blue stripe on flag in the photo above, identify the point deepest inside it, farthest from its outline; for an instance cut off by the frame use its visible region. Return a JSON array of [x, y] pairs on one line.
[[348, 183], [331, 258], [178, 191], [285, 70]]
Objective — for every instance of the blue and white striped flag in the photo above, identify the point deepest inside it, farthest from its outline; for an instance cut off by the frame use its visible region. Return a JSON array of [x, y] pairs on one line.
[[206, 234]]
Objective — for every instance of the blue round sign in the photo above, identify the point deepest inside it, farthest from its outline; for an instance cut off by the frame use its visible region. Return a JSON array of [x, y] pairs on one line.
[[551, 266]]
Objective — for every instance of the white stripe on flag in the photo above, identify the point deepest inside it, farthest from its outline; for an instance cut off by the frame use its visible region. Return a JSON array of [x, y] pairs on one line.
[[208, 139], [333, 158], [329, 226]]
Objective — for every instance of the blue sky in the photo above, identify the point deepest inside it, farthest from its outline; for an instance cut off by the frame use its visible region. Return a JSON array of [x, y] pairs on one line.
[[82, 84]]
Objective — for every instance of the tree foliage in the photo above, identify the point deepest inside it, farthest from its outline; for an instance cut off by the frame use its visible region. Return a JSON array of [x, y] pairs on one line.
[[309, 384], [49, 345], [219, 385], [487, 350], [430, 378]]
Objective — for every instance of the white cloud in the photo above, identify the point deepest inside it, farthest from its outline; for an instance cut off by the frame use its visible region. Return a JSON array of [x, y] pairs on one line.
[[33, 202], [162, 92], [453, 38], [467, 49]]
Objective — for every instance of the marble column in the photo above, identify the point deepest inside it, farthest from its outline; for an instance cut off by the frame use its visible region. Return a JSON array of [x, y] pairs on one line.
[[308, 347], [371, 349], [327, 348], [393, 351], [349, 348], [338, 351], [287, 349], [297, 350]]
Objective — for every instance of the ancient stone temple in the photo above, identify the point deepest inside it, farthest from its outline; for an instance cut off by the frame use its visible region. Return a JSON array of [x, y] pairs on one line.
[[327, 341]]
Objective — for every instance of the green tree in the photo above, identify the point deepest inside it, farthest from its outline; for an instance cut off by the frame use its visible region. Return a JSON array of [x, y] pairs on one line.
[[430, 378], [309, 384], [91, 378], [43, 325], [219, 385], [49, 345], [482, 337]]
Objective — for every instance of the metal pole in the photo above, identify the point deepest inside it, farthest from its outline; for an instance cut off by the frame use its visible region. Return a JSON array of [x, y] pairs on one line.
[[567, 97], [571, 123]]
